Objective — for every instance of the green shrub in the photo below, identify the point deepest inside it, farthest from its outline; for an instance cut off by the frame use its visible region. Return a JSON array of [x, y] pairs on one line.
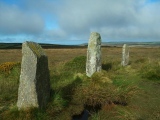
[[78, 64]]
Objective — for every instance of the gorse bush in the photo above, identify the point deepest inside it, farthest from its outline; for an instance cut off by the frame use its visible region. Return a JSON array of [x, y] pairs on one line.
[[8, 66]]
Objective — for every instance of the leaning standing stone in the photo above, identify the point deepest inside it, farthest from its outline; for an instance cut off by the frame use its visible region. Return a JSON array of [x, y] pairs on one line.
[[34, 87], [125, 55], [93, 63]]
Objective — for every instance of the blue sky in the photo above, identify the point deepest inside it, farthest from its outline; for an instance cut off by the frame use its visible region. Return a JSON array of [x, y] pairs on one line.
[[72, 21]]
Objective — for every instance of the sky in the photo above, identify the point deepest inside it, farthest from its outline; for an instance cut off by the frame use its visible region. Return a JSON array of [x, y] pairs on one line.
[[72, 21]]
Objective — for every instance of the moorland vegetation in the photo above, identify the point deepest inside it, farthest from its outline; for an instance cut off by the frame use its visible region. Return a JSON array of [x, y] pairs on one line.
[[115, 93]]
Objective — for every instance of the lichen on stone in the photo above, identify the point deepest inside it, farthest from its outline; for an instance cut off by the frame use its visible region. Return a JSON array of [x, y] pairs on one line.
[[37, 49]]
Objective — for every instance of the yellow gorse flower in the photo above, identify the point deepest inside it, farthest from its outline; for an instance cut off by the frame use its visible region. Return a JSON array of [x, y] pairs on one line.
[[7, 66]]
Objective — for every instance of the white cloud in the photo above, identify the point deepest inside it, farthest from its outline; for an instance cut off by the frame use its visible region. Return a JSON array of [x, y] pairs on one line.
[[113, 19], [15, 21]]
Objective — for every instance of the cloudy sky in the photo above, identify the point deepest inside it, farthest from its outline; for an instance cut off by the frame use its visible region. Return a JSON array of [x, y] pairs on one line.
[[72, 21]]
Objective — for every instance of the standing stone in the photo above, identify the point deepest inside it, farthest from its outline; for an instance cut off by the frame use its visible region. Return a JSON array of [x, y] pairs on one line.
[[34, 87], [93, 63], [125, 55]]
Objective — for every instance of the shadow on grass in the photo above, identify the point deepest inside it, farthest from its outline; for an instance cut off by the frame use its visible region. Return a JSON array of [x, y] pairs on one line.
[[107, 66]]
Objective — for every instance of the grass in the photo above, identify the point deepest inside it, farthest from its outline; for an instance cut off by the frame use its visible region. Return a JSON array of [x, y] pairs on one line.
[[116, 93], [9, 79], [150, 70]]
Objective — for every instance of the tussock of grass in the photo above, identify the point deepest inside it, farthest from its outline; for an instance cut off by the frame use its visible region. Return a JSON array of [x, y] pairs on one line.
[[111, 65], [100, 90], [150, 70]]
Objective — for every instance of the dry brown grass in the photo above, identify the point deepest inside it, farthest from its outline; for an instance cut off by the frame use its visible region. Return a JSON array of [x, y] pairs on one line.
[[56, 56], [10, 55]]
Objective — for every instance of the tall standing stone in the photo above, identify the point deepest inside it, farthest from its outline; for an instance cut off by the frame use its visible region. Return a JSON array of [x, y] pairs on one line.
[[93, 63], [34, 87], [125, 55]]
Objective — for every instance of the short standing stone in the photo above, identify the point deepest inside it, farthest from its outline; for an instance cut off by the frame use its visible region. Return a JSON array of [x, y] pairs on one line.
[[125, 55], [34, 87], [93, 63]]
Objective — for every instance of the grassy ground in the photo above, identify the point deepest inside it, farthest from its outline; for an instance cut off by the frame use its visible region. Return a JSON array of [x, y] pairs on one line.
[[116, 93]]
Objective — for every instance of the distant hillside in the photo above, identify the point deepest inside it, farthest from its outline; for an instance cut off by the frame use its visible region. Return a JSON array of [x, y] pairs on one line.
[[122, 43], [84, 45], [10, 45], [131, 44], [46, 46]]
